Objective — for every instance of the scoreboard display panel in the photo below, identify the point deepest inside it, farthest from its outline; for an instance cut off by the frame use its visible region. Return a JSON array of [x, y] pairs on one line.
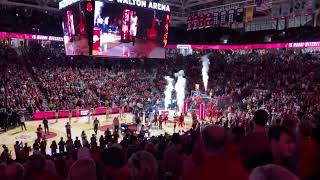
[[116, 28]]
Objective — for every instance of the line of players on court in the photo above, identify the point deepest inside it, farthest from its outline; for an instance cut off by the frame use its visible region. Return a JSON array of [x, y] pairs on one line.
[[155, 119]]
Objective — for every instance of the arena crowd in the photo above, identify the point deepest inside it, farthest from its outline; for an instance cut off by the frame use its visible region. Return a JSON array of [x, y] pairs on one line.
[[266, 117]]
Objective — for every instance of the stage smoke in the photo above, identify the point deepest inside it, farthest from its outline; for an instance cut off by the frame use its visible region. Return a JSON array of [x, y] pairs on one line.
[[168, 91], [180, 88], [205, 69], [98, 8]]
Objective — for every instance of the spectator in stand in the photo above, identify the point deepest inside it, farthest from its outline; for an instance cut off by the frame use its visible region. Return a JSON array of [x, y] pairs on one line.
[[53, 147], [77, 143], [143, 165], [70, 146], [26, 151], [283, 147], [254, 147], [83, 169], [5, 155], [114, 162], [233, 146], [43, 146], [85, 142], [3, 167], [35, 169], [210, 161], [271, 172], [18, 149], [15, 171], [173, 158], [36, 147], [309, 146], [102, 142], [61, 144]]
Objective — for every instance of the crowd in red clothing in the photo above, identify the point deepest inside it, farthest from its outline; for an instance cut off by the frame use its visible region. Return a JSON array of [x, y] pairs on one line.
[[279, 142], [243, 81], [206, 151]]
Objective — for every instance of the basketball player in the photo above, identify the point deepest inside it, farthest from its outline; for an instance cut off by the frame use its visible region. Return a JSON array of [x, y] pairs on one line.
[[155, 119], [96, 124], [121, 111], [165, 119], [22, 122], [174, 123], [39, 132], [160, 120], [56, 115], [70, 116], [181, 122], [89, 116], [107, 112], [68, 130], [133, 26], [116, 125]]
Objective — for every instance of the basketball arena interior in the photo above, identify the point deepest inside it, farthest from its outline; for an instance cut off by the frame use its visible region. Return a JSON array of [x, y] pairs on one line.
[[159, 89]]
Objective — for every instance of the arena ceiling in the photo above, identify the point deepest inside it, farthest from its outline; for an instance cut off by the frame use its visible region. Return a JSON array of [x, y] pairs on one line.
[[179, 8]]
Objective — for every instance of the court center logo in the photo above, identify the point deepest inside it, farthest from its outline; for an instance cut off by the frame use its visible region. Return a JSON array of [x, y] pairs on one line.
[[22, 136]]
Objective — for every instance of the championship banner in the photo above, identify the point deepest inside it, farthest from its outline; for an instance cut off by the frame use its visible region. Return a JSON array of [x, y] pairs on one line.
[[208, 22], [290, 22], [190, 23], [231, 15], [196, 22], [215, 19], [297, 21], [223, 15], [299, 6], [202, 19], [285, 9], [281, 24], [239, 15], [249, 14], [302, 7], [275, 11]]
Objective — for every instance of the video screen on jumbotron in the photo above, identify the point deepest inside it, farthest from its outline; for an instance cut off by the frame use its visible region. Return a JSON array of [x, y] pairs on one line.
[[75, 30], [122, 30]]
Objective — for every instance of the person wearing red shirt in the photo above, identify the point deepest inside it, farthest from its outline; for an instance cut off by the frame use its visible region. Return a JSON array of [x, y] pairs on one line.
[[210, 160], [165, 119], [39, 132], [26, 150], [160, 121], [181, 120], [254, 147], [155, 119], [114, 162]]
